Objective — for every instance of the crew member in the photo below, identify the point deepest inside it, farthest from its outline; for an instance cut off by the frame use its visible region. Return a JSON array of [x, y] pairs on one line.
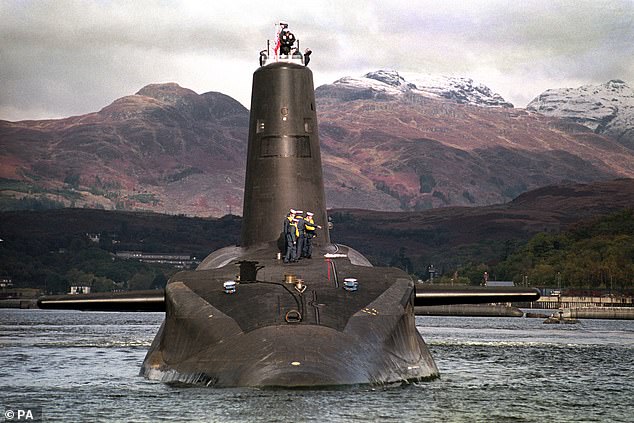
[[307, 54], [287, 39], [309, 229], [290, 238], [295, 237], [301, 239]]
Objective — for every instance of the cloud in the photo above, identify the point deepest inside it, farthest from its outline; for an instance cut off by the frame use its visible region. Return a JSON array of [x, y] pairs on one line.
[[68, 57]]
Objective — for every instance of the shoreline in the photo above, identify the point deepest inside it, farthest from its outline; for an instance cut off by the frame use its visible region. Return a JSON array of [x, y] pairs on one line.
[[457, 310]]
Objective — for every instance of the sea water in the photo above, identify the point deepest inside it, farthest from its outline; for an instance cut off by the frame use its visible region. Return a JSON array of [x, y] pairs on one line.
[[84, 366]]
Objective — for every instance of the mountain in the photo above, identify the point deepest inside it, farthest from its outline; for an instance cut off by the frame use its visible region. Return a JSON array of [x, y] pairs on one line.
[[389, 142], [165, 148], [606, 109], [425, 150], [390, 84]]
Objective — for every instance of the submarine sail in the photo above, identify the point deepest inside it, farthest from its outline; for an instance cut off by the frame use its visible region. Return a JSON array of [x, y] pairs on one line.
[[283, 159]]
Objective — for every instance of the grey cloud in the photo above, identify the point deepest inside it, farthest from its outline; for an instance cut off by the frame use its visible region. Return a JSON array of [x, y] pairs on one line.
[[70, 56], [50, 25]]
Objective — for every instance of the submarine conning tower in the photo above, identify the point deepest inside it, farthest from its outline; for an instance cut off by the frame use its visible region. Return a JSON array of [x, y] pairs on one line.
[[283, 158]]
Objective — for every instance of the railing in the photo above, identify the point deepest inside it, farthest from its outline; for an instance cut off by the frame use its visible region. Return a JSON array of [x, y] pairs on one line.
[[290, 58]]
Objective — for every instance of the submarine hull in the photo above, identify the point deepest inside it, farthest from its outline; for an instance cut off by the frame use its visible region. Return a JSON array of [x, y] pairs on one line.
[[217, 339]]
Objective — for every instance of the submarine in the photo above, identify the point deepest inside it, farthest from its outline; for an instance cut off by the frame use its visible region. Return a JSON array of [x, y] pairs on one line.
[[244, 317]]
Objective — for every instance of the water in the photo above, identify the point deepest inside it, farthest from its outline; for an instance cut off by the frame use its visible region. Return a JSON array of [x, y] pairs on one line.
[[83, 366]]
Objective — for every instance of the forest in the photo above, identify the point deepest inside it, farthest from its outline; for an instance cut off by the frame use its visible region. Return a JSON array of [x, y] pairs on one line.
[[52, 250], [597, 254]]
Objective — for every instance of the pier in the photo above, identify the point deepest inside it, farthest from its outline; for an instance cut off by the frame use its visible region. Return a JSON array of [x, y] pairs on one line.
[[614, 313], [554, 302]]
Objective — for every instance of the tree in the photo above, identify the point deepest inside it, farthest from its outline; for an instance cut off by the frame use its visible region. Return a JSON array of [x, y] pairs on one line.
[[105, 241], [402, 261], [542, 274], [56, 284], [159, 281], [101, 284], [76, 277], [141, 280], [475, 273]]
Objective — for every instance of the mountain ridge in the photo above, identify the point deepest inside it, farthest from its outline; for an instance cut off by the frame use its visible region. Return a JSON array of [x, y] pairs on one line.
[[386, 84], [606, 109], [171, 150], [447, 237], [425, 151]]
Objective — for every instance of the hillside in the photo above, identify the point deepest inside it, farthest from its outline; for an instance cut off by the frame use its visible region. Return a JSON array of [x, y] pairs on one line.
[[51, 249], [41, 246], [453, 236], [594, 254], [164, 149], [606, 109], [389, 142]]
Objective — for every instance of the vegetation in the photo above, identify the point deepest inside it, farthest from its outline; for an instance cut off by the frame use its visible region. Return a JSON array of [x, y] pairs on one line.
[[145, 198], [29, 203], [32, 264], [51, 249], [592, 255], [427, 183], [18, 186], [597, 254]]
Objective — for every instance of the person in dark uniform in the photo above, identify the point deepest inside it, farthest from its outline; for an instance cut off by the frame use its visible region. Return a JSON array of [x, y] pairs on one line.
[[294, 237], [290, 240], [287, 39], [309, 229], [301, 239]]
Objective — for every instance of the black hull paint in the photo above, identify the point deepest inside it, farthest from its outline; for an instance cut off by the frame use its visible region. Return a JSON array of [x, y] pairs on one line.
[[345, 338]]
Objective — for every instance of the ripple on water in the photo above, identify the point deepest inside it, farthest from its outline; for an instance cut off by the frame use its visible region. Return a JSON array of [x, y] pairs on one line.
[[84, 367]]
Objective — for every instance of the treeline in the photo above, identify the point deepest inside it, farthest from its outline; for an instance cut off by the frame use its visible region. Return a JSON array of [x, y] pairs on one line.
[[51, 250], [596, 254], [29, 203], [81, 264]]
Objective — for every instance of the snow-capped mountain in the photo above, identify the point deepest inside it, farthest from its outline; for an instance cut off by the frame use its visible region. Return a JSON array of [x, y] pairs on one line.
[[167, 148], [606, 108], [385, 84]]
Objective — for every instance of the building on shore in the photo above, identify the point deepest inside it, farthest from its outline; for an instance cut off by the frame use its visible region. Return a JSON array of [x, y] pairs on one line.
[[79, 290], [180, 261]]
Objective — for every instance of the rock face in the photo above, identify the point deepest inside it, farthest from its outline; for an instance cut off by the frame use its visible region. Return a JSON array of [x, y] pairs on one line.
[[434, 145], [390, 84], [606, 109], [165, 149], [390, 142]]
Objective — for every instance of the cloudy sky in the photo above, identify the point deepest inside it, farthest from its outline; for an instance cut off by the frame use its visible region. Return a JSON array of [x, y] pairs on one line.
[[67, 57]]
